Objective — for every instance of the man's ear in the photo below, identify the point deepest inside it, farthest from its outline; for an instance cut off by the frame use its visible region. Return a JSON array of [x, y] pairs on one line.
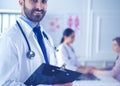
[[21, 2]]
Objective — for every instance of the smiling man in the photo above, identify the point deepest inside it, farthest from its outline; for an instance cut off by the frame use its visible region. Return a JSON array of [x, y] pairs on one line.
[[24, 47]]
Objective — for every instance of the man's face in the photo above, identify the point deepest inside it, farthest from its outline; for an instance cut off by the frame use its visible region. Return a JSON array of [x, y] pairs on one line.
[[34, 10]]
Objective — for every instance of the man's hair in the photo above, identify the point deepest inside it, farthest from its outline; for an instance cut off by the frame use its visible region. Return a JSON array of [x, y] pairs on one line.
[[117, 39]]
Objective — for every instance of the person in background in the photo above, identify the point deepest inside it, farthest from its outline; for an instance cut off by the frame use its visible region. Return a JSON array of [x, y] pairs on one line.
[[111, 71], [66, 55]]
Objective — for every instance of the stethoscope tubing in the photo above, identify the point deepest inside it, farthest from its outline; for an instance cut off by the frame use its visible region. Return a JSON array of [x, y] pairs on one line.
[[24, 35]]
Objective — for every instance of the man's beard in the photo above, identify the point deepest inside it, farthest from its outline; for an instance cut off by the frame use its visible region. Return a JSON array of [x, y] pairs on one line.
[[30, 14]]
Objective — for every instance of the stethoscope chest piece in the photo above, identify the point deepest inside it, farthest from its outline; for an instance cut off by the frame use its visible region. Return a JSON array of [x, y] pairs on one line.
[[30, 54]]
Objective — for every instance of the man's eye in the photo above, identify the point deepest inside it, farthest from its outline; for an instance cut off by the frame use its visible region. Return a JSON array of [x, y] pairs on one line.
[[44, 1], [35, 1]]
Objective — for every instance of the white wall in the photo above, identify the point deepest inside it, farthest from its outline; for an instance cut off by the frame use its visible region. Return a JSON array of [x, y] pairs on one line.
[[9, 4], [104, 26]]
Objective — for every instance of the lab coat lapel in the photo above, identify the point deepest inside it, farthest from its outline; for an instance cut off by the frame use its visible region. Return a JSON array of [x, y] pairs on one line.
[[50, 52], [49, 48], [36, 46], [45, 40]]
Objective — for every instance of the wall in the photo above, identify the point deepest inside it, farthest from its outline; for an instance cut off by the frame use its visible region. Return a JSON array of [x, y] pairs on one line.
[[104, 26], [9, 4]]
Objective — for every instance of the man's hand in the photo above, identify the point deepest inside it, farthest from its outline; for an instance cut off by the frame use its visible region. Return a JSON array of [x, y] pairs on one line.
[[91, 69], [67, 84], [81, 69]]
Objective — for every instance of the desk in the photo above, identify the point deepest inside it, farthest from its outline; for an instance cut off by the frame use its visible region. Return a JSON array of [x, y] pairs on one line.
[[104, 81]]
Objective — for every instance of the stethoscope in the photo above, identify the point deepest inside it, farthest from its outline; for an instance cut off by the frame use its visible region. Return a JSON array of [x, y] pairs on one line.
[[30, 54]]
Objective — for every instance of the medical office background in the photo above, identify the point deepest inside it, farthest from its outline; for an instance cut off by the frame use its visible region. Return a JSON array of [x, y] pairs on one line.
[[96, 23]]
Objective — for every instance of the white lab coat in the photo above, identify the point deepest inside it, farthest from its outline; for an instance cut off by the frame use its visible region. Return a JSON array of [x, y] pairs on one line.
[[15, 67], [65, 55]]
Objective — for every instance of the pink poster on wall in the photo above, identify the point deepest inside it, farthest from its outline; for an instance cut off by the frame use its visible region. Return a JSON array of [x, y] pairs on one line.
[[55, 22], [72, 21]]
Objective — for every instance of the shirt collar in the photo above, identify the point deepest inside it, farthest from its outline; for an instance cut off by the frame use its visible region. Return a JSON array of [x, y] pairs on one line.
[[30, 23], [29, 30]]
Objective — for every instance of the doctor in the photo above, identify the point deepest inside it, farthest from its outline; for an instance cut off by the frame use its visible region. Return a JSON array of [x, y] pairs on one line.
[[66, 55], [25, 46]]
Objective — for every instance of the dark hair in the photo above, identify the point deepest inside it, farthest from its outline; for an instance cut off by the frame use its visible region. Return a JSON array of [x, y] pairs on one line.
[[67, 32], [117, 39]]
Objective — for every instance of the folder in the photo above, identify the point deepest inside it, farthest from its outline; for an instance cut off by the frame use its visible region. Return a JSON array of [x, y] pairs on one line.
[[49, 75]]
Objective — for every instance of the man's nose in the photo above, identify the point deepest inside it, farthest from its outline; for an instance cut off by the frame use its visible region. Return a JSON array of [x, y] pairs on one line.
[[40, 5]]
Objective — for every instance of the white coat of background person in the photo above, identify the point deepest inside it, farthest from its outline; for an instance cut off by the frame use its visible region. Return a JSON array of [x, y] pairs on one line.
[[66, 54], [15, 66]]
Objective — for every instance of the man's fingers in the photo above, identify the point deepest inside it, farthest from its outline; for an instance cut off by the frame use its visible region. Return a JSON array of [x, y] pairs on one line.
[[67, 84]]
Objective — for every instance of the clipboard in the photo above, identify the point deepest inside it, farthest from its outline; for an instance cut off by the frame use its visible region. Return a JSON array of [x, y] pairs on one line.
[[49, 75]]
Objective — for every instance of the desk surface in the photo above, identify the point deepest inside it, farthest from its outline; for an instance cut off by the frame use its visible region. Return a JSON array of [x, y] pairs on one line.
[[104, 81]]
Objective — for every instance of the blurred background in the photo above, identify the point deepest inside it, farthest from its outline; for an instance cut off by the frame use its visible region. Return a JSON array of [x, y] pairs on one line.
[[96, 23]]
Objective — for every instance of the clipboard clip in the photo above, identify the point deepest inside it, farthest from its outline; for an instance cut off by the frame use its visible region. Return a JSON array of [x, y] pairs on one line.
[[62, 68]]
